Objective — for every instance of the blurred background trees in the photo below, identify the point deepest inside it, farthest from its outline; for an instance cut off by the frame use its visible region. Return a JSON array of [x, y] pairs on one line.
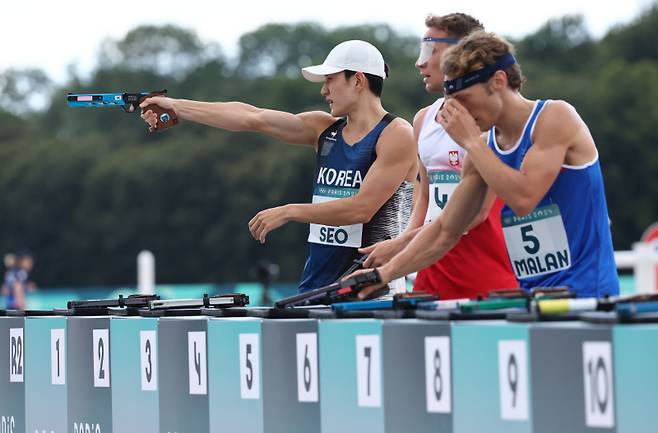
[[88, 189]]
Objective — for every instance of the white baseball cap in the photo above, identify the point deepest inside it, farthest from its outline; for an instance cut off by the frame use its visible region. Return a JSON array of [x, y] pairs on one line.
[[358, 56]]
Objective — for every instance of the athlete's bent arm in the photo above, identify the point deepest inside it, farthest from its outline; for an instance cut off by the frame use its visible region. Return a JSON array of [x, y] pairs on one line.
[[395, 160], [383, 251], [380, 253], [421, 187], [558, 130], [437, 238], [487, 204], [303, 128]]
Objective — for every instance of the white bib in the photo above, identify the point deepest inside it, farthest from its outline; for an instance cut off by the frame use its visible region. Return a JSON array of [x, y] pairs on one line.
[[341, 236], [441, 186], [537, 244]]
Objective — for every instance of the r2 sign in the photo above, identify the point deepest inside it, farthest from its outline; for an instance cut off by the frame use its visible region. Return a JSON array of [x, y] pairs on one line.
[[16, 354], [599, 392]]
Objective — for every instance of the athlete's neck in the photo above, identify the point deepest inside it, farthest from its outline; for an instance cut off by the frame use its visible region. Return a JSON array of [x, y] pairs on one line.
[[363, 119], [513, 118]]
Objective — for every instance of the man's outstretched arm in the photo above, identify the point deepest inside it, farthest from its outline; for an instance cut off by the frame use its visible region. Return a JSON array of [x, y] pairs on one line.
[[303, 128]]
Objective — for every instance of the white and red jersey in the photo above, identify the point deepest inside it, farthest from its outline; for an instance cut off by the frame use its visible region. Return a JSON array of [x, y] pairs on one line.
[[479, 262]]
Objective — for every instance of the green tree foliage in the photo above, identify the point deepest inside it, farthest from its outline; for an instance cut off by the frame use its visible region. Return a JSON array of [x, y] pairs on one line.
[[24, 89], [636, 42], [88, 189]]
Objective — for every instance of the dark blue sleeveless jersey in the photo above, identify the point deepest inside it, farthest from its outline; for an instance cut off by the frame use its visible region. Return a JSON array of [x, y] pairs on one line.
[[340, 170], [566, 240]]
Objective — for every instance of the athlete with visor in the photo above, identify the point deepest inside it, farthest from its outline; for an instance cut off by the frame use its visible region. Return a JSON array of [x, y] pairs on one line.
[[479, 262]]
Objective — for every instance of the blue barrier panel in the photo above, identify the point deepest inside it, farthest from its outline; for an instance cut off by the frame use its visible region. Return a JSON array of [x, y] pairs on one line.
[[134, 358], [46, 406], [12, 374], [351, 388], [636, 377], [491, 377], [183, 375], [88, 373], [417, 376], [264, 374], [572, 378], [290, 376], [234, 356], [222, 375]]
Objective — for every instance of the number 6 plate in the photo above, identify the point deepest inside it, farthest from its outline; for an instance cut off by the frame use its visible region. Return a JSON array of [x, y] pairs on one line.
[[307, 367]]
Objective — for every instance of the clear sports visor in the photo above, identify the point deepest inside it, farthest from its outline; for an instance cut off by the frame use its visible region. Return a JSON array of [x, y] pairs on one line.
[[427, 47]]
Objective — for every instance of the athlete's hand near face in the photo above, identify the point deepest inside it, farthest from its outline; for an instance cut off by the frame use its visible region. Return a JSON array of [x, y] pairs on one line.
[[459, 124]]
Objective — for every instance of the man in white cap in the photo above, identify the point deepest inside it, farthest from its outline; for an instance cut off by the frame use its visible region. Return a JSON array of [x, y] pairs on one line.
[[366, 159]]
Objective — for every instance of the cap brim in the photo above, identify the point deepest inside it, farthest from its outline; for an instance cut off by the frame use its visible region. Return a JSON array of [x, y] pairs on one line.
[[317, 73]]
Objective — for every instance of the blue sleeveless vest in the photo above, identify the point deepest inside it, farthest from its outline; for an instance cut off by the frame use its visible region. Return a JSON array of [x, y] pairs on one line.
[[566, 240]]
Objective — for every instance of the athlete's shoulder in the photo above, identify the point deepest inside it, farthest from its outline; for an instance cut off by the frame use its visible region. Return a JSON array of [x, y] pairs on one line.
[[397, 140], [419, 118], [399, 122], [558, 118], [318, 122], [559, 110], [398, 129], [319, 119]]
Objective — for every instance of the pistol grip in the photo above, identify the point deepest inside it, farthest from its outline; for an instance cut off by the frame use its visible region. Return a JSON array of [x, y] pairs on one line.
[[166, 118]]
